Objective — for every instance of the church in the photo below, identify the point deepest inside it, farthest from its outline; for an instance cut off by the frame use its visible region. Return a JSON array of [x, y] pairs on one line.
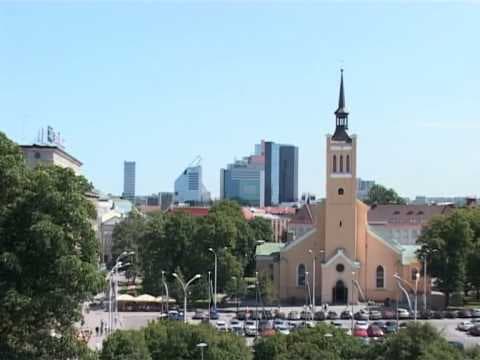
[[336, 256]]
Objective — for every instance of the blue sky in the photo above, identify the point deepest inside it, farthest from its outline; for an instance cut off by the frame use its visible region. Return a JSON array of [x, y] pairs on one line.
[[160, 83]]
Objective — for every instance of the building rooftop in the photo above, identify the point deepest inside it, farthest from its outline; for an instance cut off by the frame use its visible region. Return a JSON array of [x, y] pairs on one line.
[[54, 148], [268, 248], [405, 214]]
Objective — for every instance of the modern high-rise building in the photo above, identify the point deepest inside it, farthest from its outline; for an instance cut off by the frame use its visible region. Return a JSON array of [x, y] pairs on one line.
[[189, 187], [363, 187], [244, 181], [281, 173], [129, 180]]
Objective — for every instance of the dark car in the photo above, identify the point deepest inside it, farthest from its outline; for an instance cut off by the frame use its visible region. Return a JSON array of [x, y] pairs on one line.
[[438, 314], [464, 314], [451, 314], [474, 331], [346, 315], [200, 315], [332, 315], [267, 314], [374, 331], [241, 315], [390, 327], [213, 315], [379, 323], [280, 315], [425, 315], [375, 315], [320, 315]]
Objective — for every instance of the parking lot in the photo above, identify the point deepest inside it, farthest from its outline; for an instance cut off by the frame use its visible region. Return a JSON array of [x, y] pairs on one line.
[[137, 320]]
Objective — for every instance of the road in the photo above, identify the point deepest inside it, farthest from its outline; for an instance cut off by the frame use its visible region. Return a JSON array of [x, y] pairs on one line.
[[137, 320]]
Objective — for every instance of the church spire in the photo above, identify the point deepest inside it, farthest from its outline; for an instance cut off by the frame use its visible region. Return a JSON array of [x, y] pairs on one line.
[[341, 115]]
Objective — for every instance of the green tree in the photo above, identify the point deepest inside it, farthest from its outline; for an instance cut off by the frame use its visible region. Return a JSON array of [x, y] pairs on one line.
[[447, 240], [380, 195], [321, 342], [473, 258], [175, 340], [419, 341], [48, 256], [261, 229], [125, 345], [126, 235]]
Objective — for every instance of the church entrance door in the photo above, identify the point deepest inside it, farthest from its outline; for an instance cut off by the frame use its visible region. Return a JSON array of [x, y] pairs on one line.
[[340, 293]]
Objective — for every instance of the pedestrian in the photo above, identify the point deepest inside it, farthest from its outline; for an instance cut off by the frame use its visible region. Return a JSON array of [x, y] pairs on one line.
[[102, 324], [97, 330]]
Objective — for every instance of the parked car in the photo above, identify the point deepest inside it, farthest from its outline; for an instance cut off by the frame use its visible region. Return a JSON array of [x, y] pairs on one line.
[[403, 314], [374, 331], [306, 315], [280, 315], [174, 315], [256, 315], [213, 314], [465, 314], [267, 314], [388, 314], [221, 326], [361, 324], [236, 327], [251, 328], [293, 315], [310, 324], [346, 315], [425, 315], [320, 315], [390, 327], [200, 315], [438, 314], [379, 323], [451, 314], [474, 331], [283, 329], [375, 315], [278, 322], [360, 315], [360, 332], [332, 315], [337, 324], [465, 325], [475, 313], [241, 315]]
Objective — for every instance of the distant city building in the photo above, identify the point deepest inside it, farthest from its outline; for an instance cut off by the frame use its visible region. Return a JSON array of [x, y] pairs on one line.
[[47, 154], [363, 187], [166, 200], [281, 173], [189, 187], [129, 180], [244, 181], [454, 200]]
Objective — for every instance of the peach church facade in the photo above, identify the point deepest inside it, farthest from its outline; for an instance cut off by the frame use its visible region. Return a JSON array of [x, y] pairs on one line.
[[352, 262]]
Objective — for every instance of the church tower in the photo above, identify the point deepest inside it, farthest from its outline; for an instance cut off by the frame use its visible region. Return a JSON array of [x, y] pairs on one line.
[[341, 186]]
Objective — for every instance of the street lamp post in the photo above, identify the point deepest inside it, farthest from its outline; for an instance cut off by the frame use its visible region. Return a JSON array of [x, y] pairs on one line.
[[353, 287], [314, 285], [401, 281], [185, 293], [417, 277], [256, 303], [215, 278], [166, 290], [209, 294], [201, 346]]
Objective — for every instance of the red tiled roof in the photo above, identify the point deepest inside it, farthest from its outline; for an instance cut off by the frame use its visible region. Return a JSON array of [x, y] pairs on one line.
[[303, 215], [193, 211], [405, 214]]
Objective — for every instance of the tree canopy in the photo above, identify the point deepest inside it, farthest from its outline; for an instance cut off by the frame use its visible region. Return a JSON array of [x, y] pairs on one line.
[[48, 256], [380, 195]]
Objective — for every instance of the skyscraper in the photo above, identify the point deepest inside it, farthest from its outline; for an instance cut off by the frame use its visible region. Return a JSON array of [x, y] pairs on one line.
[[189, 186], [281, 173], [129, 180]]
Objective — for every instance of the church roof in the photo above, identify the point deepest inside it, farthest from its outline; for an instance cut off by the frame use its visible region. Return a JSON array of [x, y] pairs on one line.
[[404, 214]]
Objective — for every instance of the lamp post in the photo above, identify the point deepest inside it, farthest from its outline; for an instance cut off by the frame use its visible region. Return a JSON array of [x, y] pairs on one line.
[[353, 287], [201, 346], [214, 278], [256, 303], [425, 259], [314, 281], [166, 290], [185, 293], [417, 277], [209, 294], [401, 281], [113, 288]]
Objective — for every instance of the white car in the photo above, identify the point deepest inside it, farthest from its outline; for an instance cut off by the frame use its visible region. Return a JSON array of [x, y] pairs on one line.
[[465, 325], [476, 313], [403, 314], [283, 329], [310, 324], [221, 325], [236, 326], [251, 328], [361, 324]]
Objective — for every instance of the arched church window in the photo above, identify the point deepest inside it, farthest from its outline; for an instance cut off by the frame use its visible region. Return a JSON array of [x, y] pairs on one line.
[[301, 275], [340, 191], [334, 163], [341, 163], [348, 163], [380, 276]]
